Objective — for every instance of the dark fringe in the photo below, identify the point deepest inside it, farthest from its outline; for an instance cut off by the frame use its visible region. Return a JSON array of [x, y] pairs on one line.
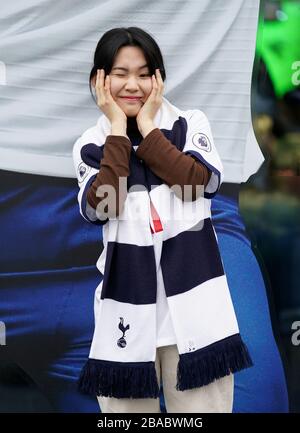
[[199, 368], [119, 379]]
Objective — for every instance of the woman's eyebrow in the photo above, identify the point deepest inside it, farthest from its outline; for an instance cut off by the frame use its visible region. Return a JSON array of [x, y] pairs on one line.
[[125, 69]]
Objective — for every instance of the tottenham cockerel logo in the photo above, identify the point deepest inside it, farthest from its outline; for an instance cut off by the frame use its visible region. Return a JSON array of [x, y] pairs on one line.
[[122, 342], [202, 142]]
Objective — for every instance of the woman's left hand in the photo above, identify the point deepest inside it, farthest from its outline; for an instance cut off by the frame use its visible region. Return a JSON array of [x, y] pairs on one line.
[[148, 111]]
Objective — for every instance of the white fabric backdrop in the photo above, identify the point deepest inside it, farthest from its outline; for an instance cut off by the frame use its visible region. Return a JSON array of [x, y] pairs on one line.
[[46, 52]]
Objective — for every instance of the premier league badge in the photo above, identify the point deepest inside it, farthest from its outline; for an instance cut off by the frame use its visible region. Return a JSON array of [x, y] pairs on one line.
[[202, 142], [83, 170]]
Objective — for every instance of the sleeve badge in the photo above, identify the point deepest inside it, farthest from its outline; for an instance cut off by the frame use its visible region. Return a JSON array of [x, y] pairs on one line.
[[83, 170], [201, 141]]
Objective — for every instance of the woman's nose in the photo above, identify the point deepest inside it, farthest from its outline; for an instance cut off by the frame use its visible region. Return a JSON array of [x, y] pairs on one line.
[[131, 83]]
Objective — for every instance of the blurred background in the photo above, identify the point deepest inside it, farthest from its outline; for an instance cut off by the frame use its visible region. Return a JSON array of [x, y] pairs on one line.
[[269, 200]]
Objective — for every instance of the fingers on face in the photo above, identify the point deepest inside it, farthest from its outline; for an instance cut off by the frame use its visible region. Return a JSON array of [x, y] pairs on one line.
[[158, 84], [107, 82], [102, 84], [98, 83], [98, 79]]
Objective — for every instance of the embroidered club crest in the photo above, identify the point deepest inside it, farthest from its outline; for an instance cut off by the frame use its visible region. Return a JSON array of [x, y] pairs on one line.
[[202, 141], [122, 342]]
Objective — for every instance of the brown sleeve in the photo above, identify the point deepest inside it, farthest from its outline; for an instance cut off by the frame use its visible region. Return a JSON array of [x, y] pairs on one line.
[[171, 165], [114, 164]]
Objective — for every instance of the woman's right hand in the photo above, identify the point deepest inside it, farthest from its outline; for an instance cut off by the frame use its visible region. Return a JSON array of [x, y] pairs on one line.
[[105, 101]]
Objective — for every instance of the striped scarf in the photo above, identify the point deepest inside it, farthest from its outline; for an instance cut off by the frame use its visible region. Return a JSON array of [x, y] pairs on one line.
[[122, 356]]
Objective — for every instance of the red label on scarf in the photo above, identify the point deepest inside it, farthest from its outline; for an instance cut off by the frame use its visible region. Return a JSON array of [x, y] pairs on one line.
[[155, 219]]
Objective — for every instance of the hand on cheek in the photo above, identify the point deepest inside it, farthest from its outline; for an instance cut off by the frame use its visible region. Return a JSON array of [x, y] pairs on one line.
[[153, 102], [145, 117]]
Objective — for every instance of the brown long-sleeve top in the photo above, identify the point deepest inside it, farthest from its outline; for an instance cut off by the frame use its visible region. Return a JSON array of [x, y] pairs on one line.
[[161, 156]]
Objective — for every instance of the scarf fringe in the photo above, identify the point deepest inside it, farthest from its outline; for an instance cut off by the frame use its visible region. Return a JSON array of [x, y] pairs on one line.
[[139, 380], [199, 368], [119, 380]]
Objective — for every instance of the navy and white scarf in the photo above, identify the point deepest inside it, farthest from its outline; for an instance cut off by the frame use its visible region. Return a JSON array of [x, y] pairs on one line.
[[121, 362]]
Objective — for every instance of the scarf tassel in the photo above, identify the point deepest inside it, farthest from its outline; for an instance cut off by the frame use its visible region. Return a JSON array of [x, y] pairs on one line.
[[139, 380], [199, 368], [119, 380]]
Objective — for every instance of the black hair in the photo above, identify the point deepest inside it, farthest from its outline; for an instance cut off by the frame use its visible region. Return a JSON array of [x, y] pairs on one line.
[[111, 41]]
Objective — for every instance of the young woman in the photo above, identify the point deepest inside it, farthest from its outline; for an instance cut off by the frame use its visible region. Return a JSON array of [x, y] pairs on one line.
[[164, 287]]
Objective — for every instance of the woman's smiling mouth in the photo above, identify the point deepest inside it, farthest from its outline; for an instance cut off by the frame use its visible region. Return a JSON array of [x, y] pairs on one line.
[[130, 98]]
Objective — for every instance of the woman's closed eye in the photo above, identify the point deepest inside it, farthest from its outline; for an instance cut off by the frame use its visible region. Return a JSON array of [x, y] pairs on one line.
[[122, 75]]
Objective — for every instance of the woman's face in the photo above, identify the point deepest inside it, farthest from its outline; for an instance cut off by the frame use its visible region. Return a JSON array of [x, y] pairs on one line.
[[130, 76]]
